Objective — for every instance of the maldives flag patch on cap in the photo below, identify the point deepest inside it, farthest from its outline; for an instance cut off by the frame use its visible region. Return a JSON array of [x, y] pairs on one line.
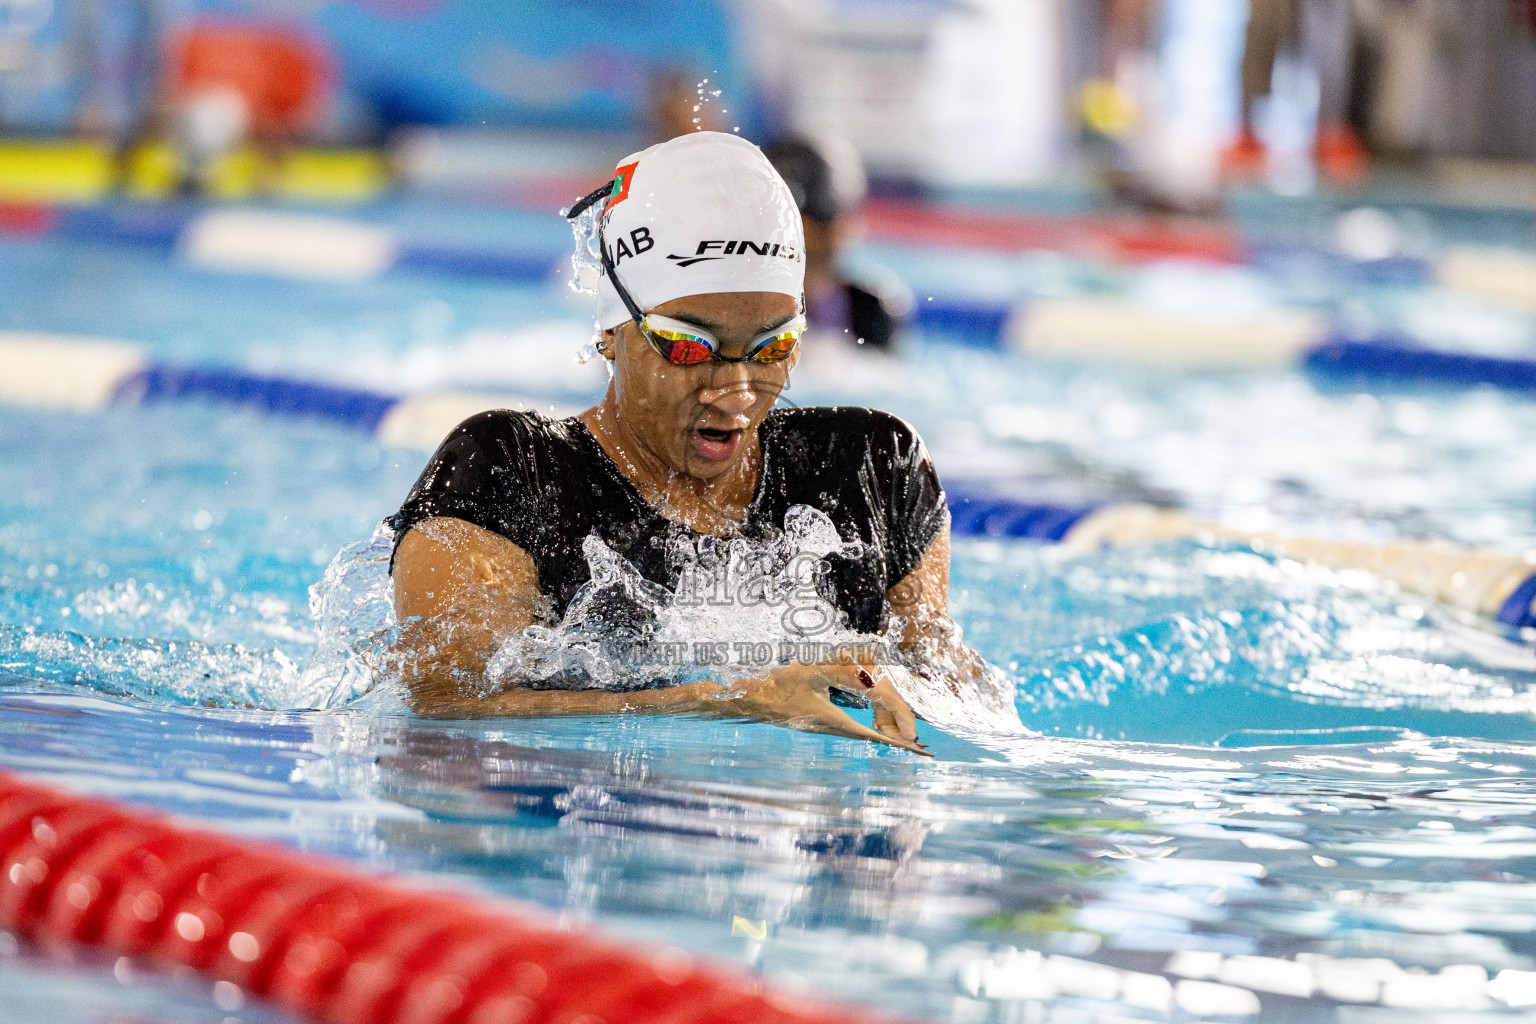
[[621, 179]]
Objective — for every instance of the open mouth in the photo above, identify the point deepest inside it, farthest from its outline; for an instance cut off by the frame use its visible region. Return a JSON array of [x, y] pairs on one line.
[[713, 444]]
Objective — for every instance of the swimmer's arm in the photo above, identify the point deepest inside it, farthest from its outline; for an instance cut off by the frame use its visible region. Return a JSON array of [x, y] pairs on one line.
[[929, 637], [922, 595], [467, 589], [793, 695], [520, 702]]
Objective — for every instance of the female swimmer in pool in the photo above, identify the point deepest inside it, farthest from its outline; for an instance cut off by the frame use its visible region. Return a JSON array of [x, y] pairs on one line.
[[700, 305]]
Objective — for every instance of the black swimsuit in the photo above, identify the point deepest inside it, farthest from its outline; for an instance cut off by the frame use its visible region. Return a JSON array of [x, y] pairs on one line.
[[547, 484]]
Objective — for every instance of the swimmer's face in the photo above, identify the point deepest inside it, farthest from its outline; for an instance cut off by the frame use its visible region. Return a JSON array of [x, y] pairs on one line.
[[698, 419]]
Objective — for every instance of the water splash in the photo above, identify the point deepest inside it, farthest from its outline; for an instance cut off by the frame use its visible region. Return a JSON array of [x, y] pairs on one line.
[[586, 257], [1184, 642], [587, 265], [738, 607], [354, 612], [178, 671]]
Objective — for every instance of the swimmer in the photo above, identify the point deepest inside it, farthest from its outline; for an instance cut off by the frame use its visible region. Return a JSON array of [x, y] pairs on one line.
[[701, 311], [827, 180]]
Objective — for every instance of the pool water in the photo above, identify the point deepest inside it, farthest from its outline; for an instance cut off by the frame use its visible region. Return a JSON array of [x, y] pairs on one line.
[[1253, 785]]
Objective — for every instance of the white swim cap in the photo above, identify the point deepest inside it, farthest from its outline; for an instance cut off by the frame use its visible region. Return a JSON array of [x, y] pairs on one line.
[[700, 213]]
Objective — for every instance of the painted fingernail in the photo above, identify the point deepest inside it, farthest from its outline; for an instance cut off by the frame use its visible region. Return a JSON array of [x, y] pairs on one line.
[[866, 679]]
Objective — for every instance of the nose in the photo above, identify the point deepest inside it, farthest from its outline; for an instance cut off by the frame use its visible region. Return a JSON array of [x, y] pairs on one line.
[[732, 391]]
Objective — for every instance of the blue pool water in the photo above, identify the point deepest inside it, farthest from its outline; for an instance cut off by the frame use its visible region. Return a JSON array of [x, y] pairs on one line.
[[1254, 782]]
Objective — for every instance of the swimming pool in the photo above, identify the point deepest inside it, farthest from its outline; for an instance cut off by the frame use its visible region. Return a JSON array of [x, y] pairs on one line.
[[1259, 783]]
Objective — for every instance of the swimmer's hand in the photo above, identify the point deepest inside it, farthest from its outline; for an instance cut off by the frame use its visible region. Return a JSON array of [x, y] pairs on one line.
[[799, 696]]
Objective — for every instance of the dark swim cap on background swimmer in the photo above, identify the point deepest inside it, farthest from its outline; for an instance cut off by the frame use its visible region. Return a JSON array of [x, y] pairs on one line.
[[825, 176]]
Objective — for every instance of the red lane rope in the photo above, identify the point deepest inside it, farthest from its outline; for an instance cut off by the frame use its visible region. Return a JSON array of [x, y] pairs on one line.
[[331, 944], [1120, 240], [27, 219]]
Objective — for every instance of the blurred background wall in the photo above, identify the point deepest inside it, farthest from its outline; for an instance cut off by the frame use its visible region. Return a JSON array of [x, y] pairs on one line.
[[95, 64], [1177, 94]]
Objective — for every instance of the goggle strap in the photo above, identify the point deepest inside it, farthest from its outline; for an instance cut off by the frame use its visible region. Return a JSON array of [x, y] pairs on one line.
[[613, 275], [585, 203]]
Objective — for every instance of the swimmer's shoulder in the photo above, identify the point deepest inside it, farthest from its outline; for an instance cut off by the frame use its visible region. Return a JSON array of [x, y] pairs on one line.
[[498, 469], [879, 304], [517, 432], [838, 424]]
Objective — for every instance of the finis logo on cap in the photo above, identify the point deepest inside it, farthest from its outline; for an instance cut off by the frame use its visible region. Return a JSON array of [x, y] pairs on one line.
[[621, 179], [734, 247]]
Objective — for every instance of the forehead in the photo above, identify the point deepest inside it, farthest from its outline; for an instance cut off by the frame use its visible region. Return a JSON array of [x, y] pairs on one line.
[[731, 311]]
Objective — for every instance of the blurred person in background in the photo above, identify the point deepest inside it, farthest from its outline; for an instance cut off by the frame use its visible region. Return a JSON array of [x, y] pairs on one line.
[[1449, 77], [827, 180], [119, 44], [1167, 96], [680, 103], [1301, 48], [1192, 92], [230, 86], [81, 67]]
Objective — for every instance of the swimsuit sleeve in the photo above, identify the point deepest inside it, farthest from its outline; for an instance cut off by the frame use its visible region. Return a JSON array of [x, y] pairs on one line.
[[478, 474], [915, 506]]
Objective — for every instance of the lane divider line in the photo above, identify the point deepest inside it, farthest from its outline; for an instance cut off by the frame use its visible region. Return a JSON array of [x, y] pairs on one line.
[[288, 245], [1369, 362], [328, 942], [280, 396], [1507, 276], [56, 371], [1488, 583], [85, 374], [1127, 331], [422, 421]]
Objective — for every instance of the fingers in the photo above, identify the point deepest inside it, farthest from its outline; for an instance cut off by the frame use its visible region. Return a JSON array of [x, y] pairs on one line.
[[891, 741], [893, 716], [894, 720], [834, 720], [812, 710], [861, 732], [890, 706], [889, 723]]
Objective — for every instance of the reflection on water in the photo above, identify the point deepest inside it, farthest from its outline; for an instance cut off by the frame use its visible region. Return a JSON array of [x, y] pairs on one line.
[[66, 986], [1064, 877]]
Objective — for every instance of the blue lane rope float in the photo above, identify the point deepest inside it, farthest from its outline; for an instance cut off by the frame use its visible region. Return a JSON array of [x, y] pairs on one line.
[[355, 407], [975, 514], [973, 322], [1519, 609], [1368, 362], [490, 264], [165, 228]]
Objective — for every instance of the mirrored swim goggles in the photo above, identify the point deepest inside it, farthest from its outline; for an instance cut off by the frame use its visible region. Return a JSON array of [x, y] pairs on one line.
[[683, 344]]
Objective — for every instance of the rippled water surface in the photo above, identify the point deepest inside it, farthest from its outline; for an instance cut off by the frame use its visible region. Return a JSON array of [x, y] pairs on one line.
[[1257, 786]]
